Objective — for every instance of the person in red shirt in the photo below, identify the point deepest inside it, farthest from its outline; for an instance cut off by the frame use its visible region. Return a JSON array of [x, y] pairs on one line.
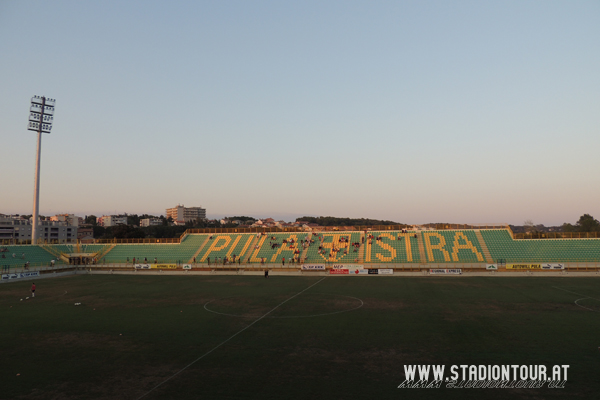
[[33, 289]]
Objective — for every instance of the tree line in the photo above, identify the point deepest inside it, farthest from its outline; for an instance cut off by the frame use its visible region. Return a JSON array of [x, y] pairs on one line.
[[165, 230], [335, 221], [586, 223]]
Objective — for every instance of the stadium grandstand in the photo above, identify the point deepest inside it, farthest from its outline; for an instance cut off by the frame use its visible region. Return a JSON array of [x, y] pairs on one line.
[[396, 247]]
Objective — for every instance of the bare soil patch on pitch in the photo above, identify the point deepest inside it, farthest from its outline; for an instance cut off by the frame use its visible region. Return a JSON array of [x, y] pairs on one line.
[[491, 308], [303, 306], [122, 383], [372, 360], [74, 340]]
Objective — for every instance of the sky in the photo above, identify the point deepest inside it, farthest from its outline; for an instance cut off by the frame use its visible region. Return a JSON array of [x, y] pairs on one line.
[[410, 111]]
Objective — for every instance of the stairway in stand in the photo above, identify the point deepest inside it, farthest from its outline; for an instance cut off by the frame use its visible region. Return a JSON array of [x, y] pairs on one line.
[[486, 252], [305, 251], [199, 250], [422, 257], [104, 251], [251, 249], [361, 249]]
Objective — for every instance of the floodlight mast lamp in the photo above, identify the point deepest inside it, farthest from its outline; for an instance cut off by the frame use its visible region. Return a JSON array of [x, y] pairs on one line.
[[40, 120]]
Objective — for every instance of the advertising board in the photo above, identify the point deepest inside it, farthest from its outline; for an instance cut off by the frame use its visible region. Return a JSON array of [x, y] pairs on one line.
[[445, 271], [313, 267], [20, 275]]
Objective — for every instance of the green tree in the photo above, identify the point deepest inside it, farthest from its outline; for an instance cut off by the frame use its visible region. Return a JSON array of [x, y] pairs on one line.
[[335, 221], [108, 232], [243, 219], [165, 222], [164, 231], [91, 219], [127, 232], [529, 226], [566, 227], [587, 223], [133, 219], [99, 231]]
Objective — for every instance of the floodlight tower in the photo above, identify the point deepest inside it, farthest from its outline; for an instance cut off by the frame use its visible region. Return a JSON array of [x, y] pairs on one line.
[[40, 120]]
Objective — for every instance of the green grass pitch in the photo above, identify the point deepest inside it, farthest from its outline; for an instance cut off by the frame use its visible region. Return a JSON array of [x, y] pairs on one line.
[[342, 338]]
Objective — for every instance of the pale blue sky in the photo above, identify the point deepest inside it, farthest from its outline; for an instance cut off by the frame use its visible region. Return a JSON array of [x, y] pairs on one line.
[[413, 111]]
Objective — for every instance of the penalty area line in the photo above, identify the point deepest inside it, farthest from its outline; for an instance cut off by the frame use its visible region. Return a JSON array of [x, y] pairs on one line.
[[589, 309], [578, 300], [227, 340], [578, 294]]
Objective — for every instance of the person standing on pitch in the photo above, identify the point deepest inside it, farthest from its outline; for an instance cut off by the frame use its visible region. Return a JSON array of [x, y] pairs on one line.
[[33, 289]]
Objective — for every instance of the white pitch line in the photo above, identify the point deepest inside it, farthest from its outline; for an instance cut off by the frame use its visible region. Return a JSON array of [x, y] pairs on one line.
[[578, 294], [227, 340], [576, 302], [583, 298]]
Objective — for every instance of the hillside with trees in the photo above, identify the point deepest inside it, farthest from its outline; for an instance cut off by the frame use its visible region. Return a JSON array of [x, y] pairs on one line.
[[335, 221]]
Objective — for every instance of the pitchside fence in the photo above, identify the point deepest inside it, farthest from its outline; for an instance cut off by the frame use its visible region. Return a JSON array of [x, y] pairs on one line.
[[47, 270]]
